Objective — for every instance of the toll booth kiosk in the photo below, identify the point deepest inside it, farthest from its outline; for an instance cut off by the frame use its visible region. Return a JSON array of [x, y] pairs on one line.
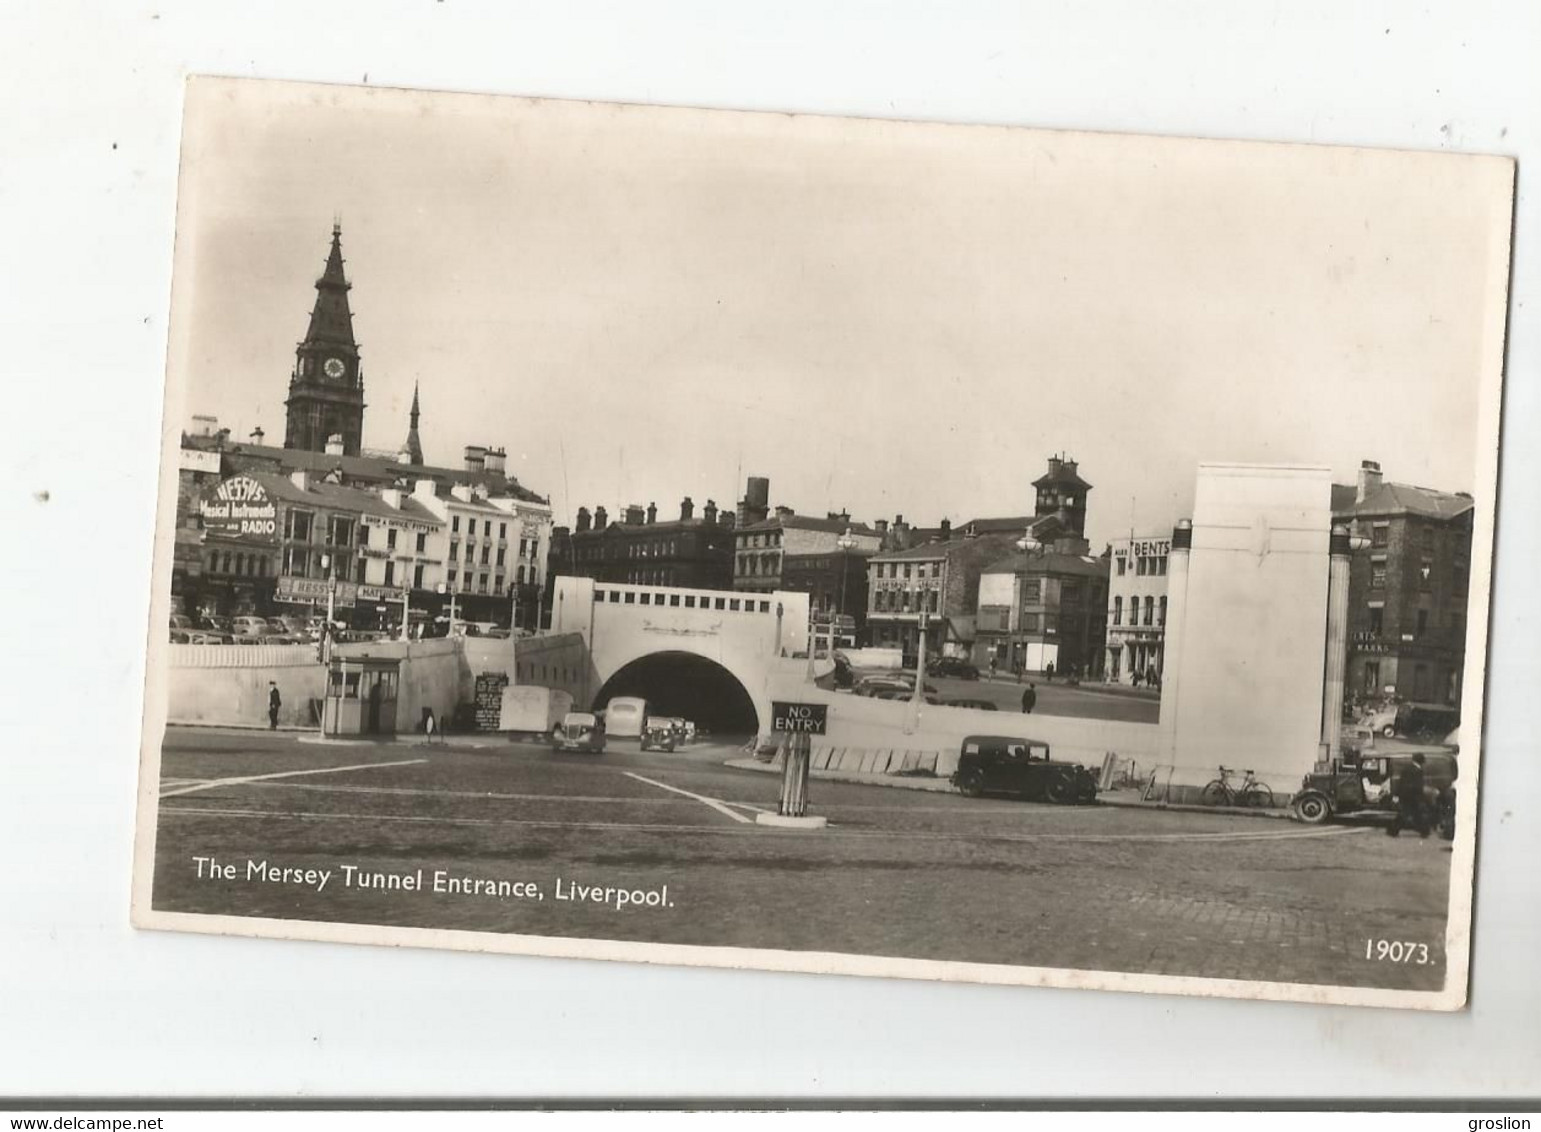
[[361, 696]]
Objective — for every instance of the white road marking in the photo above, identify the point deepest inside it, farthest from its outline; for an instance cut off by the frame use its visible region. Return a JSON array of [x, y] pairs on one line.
[[846, 833], [212, 783], [482, 795], [714, 803]]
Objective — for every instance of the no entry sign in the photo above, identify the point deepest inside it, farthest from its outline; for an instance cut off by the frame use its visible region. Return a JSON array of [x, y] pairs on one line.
[[806, 719]]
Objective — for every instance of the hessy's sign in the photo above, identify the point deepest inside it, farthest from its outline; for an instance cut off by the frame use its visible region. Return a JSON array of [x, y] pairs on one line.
[[806, 718], [239, 508]]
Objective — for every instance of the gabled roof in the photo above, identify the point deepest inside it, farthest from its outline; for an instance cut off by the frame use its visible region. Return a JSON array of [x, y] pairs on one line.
[[322, 494], [1404, 499], [380, 470]]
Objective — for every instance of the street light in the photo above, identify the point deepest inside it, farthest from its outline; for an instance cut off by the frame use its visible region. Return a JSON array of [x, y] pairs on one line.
[[444, 588], [846, 543], [1027, 544]]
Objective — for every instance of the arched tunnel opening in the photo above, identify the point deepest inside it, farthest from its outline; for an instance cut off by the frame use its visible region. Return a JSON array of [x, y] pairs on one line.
[[683, 684]]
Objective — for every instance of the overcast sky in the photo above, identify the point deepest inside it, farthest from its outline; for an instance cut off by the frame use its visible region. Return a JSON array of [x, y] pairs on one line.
[[891, 318]]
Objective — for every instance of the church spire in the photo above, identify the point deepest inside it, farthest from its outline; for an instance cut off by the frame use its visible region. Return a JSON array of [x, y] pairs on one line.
[[412, 450]]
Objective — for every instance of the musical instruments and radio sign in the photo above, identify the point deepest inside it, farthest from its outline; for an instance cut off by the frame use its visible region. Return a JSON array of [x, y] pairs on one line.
[[239, 509]]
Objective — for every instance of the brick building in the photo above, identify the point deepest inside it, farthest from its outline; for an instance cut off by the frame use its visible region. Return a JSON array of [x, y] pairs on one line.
[[694, 551], [939, 579], [1042, 607], [759, 550], [1408, 588]]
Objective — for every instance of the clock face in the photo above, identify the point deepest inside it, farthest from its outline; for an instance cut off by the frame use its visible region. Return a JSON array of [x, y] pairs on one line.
[[333, 367]]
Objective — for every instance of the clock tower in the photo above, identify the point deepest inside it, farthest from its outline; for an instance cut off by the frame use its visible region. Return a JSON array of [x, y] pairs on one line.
[[326, 389]]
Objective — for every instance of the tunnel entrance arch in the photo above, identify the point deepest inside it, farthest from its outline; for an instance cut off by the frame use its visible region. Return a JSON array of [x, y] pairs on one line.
[[687, 685]]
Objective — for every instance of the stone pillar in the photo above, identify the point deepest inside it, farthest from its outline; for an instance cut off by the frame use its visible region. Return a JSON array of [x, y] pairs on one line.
[[1177, 602], [1337, 644]]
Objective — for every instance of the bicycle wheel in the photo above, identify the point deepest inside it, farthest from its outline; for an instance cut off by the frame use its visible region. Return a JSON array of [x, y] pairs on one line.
[[1215, 794], [1258, 796]]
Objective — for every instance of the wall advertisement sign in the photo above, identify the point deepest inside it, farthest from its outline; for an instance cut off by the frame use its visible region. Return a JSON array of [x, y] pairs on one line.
[[239, 509]]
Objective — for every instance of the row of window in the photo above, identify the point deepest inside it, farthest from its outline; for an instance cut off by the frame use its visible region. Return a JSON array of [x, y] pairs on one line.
[[1425, 574], [1152, 564], [659, 577], [757, 564], [454, 526], [1150, 608], [763, 538], [906, 601], [688, 601], [1424, 620], [556, 673], [902, 569], [243, 565]]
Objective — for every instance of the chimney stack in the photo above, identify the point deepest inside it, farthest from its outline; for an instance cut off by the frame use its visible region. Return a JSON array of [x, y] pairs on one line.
[[756, 503], [946, 530], [882, 526], [583, 519], [633, 514], [687, 509], [300, 479], [601, 519], [476, 457], [493, 460], [709, 512], [257, 434], [652, 514], [783, 512], [1369, 480], [1055, 463]]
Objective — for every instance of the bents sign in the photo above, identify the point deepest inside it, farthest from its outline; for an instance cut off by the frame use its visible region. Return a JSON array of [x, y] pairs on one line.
[[239, 508]]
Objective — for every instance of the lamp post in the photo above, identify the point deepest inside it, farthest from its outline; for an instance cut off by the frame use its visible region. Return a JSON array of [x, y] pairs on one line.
[[1027, 544], [1341, 547], [444, 588], [846, 543]]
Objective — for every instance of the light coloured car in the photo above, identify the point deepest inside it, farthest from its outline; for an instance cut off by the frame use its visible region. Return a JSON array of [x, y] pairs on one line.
[[625, 717]]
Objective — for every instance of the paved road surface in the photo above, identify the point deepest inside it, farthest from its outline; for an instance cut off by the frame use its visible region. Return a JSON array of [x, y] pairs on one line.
[[898, 873]]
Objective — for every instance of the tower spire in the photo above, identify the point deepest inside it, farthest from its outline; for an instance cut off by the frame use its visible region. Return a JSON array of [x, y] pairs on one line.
[[413, 448], [326, 392]]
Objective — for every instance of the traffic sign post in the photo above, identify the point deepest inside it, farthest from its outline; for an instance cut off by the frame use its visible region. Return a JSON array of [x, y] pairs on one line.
[[798, 722]]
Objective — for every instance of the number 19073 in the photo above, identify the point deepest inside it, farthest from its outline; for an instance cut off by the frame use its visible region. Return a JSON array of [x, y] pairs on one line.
[[1396, 951]]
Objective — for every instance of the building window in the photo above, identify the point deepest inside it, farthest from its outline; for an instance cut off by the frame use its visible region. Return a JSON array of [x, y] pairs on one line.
[[454, 551], [1377, 620], [1380, 534], [502, 530], [363, 536], [1118, 608], [1030, 623], [486, 550], [481, 583], [1428, 538], [1161, 564], [451, 575], [339, 531], [297, 528], [390, 573], [1119, 565], [454, 523], [417, 577], [1426, 575], [1162, 621], [1032, 590], [1070, 592], [422, 543], [1378, 573], [501, 552], [390, 540], [1423, 622]]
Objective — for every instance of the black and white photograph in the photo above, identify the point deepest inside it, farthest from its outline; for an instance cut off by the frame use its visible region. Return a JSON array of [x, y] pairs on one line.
[[817, 544]]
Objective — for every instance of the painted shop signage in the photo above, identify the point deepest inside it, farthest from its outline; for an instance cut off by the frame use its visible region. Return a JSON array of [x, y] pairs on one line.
[[239, 508]]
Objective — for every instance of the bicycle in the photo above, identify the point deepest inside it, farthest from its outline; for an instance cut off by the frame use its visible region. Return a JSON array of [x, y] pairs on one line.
[[1251, 792]]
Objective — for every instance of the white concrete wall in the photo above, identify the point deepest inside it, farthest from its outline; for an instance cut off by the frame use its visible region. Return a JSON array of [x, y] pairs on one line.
[[863, 722], [1248, 687], [227, 685]]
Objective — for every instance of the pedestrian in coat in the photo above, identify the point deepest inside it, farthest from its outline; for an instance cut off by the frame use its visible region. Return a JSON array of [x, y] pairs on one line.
[[1412, 808], [275, 701], [1029, 699]]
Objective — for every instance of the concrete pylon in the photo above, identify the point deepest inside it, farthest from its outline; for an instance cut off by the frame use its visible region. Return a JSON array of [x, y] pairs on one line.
[[1339, 548], [1176, 612]]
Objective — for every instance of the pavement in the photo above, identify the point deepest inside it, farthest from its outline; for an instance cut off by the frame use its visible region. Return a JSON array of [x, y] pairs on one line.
[[908, 871]]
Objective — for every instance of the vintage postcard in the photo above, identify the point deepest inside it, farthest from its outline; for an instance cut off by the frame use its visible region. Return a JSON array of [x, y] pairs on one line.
[[824, 545]]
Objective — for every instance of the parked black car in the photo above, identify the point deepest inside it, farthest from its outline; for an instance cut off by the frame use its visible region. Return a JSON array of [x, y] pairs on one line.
[[1002, 764], [954, 666]]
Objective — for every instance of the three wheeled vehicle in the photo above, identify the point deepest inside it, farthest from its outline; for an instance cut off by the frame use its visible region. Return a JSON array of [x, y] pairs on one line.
[[1366, 782], [579, 731], [999, 764]]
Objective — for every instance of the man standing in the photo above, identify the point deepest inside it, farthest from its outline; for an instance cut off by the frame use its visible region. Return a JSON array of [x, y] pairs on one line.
[[1029, 700], [1411, 808], [275, 701]]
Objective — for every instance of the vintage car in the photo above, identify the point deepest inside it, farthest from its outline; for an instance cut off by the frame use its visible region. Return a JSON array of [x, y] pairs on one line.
[[1364, 782], [660, 734], [976, 705], [579, 731], [952, 666], [1002, 764]]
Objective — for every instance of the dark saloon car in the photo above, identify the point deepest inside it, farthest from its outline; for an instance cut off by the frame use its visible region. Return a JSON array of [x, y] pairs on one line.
[[1000, 764], [579, 731], [954, 666]]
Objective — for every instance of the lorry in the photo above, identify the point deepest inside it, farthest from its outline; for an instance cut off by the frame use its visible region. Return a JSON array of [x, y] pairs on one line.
[[532, 710]]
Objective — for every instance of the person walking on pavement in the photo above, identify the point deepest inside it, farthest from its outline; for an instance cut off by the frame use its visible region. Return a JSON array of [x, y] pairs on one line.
[[1411, 807], [992, 668], [1029, 700], [275, 701]]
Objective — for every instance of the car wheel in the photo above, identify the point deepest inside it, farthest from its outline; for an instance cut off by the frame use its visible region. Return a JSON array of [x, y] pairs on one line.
[[1389, 731], [971, 783], [1060, 790], [1312, 808]]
